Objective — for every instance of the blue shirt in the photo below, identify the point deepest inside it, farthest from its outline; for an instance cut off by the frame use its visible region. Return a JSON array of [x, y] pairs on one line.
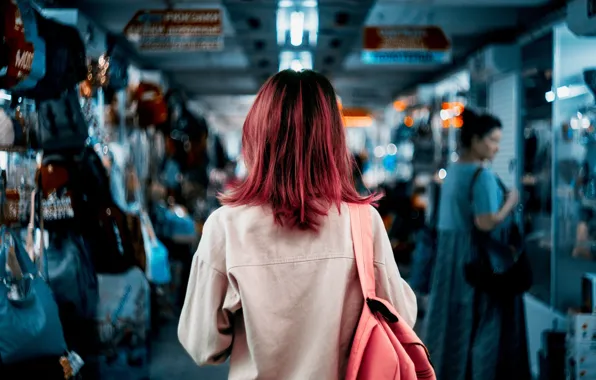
[[456, 209]]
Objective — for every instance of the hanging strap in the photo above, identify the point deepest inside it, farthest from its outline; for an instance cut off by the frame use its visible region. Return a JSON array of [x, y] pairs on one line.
[[361, 223]]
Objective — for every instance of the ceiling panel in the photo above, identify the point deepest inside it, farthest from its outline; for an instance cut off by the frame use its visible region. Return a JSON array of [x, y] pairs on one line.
[[251, 52]]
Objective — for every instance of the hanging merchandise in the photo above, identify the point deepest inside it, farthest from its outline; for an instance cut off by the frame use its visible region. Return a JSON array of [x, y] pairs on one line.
[[118, 68], [151, 105], [141, 153], [70, 272], [29, 318], [103, 224], [7, 130], [62, 125], [123, 324], [158, 265], [175, 224], [66, 64], [22, 52]]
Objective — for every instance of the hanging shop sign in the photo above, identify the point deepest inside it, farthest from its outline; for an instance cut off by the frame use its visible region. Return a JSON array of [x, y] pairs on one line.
[[405, 45], [176, 30]]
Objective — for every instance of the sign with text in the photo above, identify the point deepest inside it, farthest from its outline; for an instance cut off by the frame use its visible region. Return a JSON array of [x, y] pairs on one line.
[[405, 45], [176, 30]]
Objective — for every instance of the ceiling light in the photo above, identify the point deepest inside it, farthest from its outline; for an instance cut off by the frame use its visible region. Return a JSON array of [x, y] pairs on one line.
[[296, 28], [309, 3], [285, 3], [563, 92], [296, 65], [550, 96]]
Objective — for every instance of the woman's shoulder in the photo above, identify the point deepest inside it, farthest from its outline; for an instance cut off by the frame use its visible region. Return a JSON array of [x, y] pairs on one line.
[[229, 215]]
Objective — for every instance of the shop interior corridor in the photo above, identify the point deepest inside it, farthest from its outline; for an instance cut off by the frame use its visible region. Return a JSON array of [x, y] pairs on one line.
[[123, 122]]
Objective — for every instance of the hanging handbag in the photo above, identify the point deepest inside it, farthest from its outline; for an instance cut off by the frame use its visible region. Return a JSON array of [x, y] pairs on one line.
[[70, 272], [158, 263], [135, 229], [66, 63], [118, 69], [62, 125], [22, 50], [29, 318], [498, 267], [151, 105]]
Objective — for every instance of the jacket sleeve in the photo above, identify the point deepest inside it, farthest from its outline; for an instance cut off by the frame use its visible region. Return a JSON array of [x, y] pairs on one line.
[[206, 328], [389, 283]]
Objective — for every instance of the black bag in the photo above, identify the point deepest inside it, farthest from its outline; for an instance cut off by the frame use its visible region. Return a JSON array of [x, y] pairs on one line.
[[496, 267], [61, 125], [66, 63], [71, 274], [118, 68]]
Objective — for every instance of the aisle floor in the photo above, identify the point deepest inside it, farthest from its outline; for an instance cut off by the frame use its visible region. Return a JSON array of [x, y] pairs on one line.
[[170, 362]]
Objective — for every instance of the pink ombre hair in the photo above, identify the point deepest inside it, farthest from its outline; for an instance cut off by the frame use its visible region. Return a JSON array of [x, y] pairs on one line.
[[294, 145]]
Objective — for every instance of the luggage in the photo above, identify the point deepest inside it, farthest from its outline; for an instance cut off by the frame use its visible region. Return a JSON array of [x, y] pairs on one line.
[[123, 321]]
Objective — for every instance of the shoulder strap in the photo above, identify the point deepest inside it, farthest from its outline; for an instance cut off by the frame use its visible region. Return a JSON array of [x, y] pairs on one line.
[[362, 236], [474, 178]]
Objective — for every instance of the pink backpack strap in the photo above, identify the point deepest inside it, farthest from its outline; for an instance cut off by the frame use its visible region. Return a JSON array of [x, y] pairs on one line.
[[362, 236]]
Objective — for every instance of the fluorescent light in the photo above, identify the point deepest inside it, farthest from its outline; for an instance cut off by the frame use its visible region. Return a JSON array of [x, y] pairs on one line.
[[4, 95], [563, 92], [3, 160], [309, 3], [296, 65], [296, 28], [285, 3], [550, 96]]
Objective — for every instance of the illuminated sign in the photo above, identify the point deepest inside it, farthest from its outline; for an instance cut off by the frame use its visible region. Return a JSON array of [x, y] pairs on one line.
[[406, 45]]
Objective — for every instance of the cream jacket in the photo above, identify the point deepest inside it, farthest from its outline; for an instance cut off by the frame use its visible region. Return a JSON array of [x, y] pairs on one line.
[[281, 304]]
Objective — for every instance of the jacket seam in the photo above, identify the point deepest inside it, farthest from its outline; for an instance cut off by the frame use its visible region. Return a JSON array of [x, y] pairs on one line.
[[294, 261]]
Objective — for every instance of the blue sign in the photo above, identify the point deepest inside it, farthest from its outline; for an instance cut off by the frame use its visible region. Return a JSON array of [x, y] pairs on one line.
[[414, 57]]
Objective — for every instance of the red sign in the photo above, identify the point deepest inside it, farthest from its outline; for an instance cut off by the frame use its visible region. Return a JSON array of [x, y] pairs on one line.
[[171, 30], [405, 38]]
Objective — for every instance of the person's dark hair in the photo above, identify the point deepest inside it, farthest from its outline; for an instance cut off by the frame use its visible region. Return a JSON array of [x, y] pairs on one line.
[[475, 125]]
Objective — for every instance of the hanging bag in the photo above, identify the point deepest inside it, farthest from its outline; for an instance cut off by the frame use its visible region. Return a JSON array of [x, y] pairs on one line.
[[158, 264], [29, 318], [62, 125], [65, 63], [22, 52], [384, 347], [498, 267]]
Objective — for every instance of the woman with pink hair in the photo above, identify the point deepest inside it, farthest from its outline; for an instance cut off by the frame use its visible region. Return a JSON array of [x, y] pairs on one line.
[[274, 285]]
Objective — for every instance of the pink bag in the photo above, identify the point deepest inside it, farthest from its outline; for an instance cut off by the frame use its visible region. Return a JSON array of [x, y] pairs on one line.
[[384, 347]]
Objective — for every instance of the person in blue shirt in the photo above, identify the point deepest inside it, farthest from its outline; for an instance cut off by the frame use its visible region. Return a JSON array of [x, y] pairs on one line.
[[470, 335]]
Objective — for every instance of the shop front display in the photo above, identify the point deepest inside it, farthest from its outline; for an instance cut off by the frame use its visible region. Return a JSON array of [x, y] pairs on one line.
[[574, 153], [103, 187], [564, 329]]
